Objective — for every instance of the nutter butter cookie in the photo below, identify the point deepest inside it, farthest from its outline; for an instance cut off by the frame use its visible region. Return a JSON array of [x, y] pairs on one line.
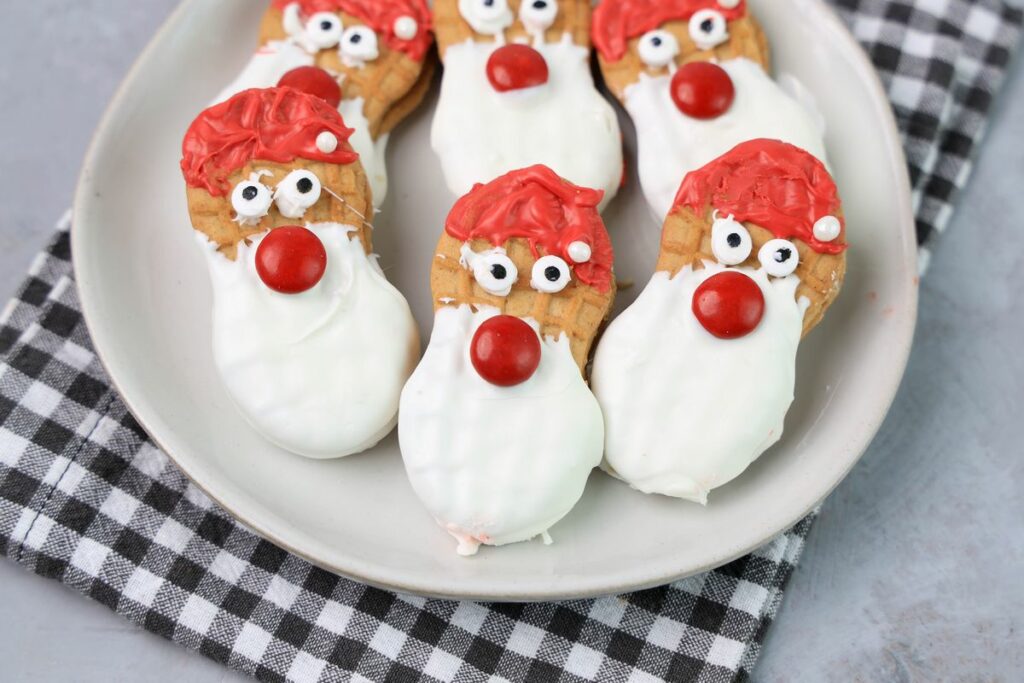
[[310, 340], [376, 52], [517, 91], [694, 77], [695, 378], [498, 429]]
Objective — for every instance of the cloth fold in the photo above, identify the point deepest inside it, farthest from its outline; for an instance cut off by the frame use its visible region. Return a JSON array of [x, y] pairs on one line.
[[88, 500]]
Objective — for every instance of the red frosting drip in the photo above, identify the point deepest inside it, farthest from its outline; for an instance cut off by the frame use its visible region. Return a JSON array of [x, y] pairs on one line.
[[536, 205], [774, 185], [276, 124], [616, 21], [380, 15]]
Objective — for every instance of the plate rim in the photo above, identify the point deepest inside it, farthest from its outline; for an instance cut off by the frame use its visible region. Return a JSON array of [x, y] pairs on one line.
[[589, 588]]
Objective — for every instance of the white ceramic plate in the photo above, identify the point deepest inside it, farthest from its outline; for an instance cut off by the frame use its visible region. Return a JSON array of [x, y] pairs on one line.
[[146, 297]]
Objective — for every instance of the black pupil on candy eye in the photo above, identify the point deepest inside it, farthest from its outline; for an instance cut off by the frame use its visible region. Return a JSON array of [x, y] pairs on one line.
[[326, 24], [656, 41], [782, 255], [499, 272], [707, 26], [304, 185], [488, 3], [553, 274], [734, 240], [539, 4], [249, 193], [356, 38]]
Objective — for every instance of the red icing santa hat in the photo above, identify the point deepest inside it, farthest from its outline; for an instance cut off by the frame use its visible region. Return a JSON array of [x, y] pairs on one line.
[[404, 24], [775, 185], [535, 204], [277, 125], [617, 21]]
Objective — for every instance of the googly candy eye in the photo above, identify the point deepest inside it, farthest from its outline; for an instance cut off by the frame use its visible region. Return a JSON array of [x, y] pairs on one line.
[[730, 242], [538, 15], [359, 44], [658, 48], [488, 17], [779, 258], [708, 29], [495, 272], [297, 192], [251, 201], [323, 30], [550, 275]]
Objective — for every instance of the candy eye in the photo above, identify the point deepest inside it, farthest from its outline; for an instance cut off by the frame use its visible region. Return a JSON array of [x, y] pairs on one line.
[[495, 272], [538, 15], [486, 16], [779, 258], [323, 30], [359, 43], [658, 48], [708, 29], [251, 201], [297, 192], [550, 275], [730, 242]]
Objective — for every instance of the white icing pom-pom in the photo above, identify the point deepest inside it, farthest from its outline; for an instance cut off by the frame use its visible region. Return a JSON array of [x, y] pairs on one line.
[[728, 4], [406, 28], [580, 252], [827, 229], [327, 142]]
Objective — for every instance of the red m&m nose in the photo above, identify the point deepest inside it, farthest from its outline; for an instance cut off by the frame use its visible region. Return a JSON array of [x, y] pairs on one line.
[[505, 351], [729, 305], [314, 81], [516, 67], [702, 90], [291, 260]]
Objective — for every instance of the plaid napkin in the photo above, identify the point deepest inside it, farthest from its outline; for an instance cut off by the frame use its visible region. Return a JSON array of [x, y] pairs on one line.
[[88, 500]]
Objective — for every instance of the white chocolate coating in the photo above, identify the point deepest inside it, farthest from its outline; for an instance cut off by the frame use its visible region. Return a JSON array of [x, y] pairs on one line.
[[274, 60], [672, 144], [565, 124], [318, 373], [686, 412], [496, 465]]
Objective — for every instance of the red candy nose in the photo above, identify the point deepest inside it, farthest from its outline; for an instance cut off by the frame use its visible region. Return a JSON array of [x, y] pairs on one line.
[[702, 90], [291, 260], [515, 67], [729, 305], [505, 351], [313, 80]]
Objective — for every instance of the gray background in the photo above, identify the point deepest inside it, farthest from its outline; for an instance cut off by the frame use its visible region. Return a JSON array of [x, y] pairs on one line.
[[913, 572]]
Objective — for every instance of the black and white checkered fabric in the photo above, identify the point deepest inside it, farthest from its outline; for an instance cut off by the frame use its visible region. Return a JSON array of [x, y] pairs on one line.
[[87, 499]]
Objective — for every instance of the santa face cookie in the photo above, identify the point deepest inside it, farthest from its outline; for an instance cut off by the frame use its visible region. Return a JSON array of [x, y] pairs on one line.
[[311, 341], [498, 429], [695, 378], [517, 91], [374, 51], [693, 76]]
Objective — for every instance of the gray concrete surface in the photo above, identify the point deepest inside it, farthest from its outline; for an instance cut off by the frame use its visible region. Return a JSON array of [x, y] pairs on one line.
[[913, 572]]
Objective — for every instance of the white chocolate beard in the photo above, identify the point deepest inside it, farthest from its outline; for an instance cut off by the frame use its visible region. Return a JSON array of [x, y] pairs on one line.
[[481, 134], [318, 373], [686, 412], [496, 465], [266, 68], [670, 144]]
